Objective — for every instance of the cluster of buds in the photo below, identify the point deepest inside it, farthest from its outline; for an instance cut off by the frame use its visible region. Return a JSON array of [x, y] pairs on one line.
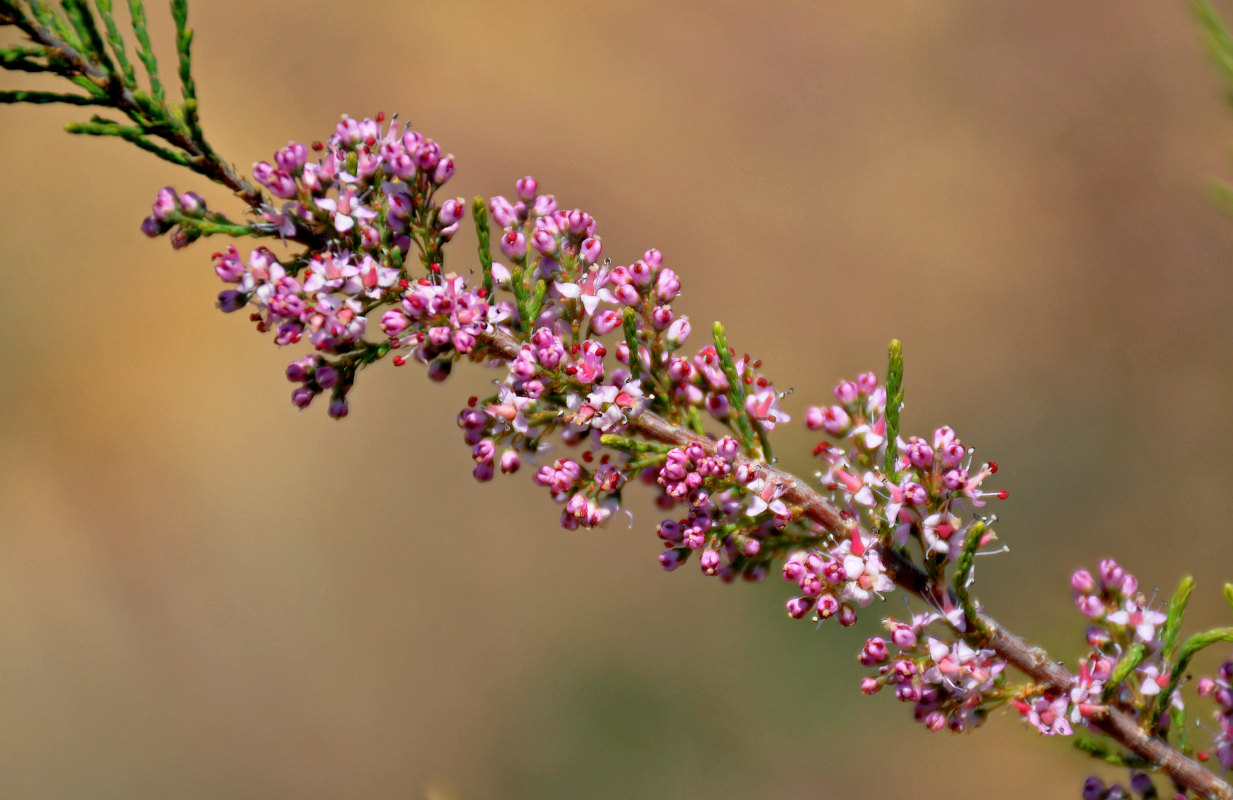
[[932, 483], [183, 216], [951, 684]]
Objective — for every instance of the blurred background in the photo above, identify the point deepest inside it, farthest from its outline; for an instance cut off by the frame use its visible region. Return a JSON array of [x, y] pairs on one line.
[[204, 593]]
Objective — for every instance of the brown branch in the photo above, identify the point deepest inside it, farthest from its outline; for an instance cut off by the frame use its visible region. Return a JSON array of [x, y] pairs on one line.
[[1028, 659]]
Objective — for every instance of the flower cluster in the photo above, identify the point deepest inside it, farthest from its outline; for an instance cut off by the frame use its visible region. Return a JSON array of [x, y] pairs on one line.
[[933, 480], [951, 684], [836, 580], [362, 207]]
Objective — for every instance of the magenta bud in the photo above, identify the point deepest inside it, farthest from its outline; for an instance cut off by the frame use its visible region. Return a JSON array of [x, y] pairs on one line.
[[544, 242], [727, 448], [192, 203], [451, 211], [510, 461], [653, 258], [846, 392], [444, 170], [439, 369], [545, 205], [514, 245], [483, 472], [847, 616], [166, 202], [904, 637], [282, 185], [671, 559], [292, 157], [1083, 582], [866, 382], [231, 300], [799, 606], [301, 396], [605, 321], [678, 332], [427, 155], [502, 212], [667, 286], [299, 371], [326, 376], [591, 250], [152, 227], [338, 407], [526, 188]]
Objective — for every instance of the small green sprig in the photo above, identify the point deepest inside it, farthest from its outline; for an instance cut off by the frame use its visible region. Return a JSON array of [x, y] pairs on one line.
[[85, 47]]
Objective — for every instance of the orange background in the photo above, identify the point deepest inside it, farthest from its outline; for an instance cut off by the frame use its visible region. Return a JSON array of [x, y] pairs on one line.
[[204, 593]]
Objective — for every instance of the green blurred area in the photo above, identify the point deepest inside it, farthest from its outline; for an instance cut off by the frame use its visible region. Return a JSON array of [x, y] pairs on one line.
[[206, 594]]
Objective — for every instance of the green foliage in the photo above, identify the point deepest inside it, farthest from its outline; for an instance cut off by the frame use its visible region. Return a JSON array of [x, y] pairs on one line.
[[1099, 750], [894, 402], [1177, 609], [479, 212], [736, 391], [86, 47], [1220, 46], [1125, 666], [963, 569]]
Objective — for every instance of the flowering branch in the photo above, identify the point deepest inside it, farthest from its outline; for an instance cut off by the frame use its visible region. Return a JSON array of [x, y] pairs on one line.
[[593, 359]]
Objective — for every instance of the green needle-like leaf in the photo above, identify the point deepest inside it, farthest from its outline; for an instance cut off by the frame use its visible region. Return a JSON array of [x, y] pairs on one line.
[[894, 401], [1177, 609], [145, 50], [116, 41], [43, 98], [1125, 666], [479, 212]]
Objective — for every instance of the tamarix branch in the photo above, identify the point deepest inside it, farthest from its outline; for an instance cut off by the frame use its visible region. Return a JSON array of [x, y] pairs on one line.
[[598, 368]]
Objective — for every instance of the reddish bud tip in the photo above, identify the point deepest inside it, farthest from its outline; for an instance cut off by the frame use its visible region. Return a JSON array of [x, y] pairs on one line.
[[1003, 494], [380, 116], [471, 401], [993, 467], [587, 456]]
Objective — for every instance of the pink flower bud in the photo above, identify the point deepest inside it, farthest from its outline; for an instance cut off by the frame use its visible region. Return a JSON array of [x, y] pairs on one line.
[[514, 245], [451, 211], [326, 376], [846, 392], [799, 606], [526, 188], [1083, 582], [671, 559], [605, 321], [301, 396], [667, 286], [444, 170], [338, 407], [678, 332], [590, 250]]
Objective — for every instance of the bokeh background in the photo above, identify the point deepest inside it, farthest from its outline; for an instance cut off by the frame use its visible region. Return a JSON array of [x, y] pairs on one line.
[[204, 593]]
